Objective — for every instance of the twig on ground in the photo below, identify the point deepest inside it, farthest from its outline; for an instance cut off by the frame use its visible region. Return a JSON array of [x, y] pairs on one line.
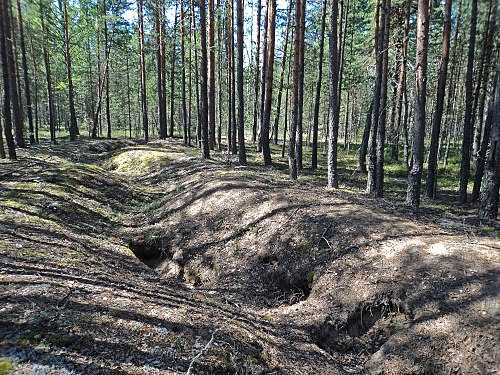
[[64, 301], [289, 218], [324, 238], [193, 361]]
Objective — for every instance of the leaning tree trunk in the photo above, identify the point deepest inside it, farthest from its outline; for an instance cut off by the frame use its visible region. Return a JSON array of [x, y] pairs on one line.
[[417, 152], [467, 133], [431, 183]]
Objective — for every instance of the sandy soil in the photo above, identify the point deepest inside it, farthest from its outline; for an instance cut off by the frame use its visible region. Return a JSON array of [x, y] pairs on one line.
[[122, 258]]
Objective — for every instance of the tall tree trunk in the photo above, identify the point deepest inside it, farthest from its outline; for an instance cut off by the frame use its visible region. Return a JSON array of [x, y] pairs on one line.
[[73, 127], [234, 146], [144, 102], [488, 203], [106, 76], [24, 63], [220, 28], [314, 159], [257, 73], [35, 79], [292, 156], [417, 158], [172, 75], [282, 76], [128, 100], [7, 116], [196, 77], [431, 183], [48, 77], [467, 134], [266, 116], [229, 61], [379, 166], [483, 76], [241, 100], [183, 80], [204, 82], [285, 121], [333, 131], [14, 82], [160, 64], [263, 81], [401, 90], [301, 87], [211, 74], [372, 140], [363, 148]]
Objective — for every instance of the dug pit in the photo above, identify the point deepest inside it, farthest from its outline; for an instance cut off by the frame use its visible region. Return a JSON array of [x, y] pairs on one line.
[[366, 329]]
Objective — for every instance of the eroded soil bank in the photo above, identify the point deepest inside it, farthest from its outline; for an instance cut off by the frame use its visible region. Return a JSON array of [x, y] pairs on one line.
[[124, 258]]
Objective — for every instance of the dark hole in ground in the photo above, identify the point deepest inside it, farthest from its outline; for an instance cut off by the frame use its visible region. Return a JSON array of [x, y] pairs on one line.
[[150, 251], [366, 329], [294, 290]]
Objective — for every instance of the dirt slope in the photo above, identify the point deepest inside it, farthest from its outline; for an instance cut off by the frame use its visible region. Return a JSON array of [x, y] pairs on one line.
[[123, 258]]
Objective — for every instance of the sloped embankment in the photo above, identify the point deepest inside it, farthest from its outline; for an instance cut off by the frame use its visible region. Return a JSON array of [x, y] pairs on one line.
[[269, 276]]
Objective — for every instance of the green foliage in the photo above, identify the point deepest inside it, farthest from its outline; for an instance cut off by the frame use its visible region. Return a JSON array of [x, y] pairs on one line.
[[5, 366]]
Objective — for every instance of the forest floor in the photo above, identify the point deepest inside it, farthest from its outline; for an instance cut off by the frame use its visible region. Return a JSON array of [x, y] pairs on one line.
[[123, 258]]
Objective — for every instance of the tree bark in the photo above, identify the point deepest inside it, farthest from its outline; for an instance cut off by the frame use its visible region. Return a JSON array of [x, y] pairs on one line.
[[334, 107], [73, 127], [144, 102], [24, 62], [48, 77], [14, 82], [282, 77], [172, 75], [467, 130], [292, 156], [266, 116], [417, 154], [379, 166], [431, 183], [211, 74], [241, 100], [7, 116], [257, 73], [314, 156], [204, 81], [183, 80], [488, 203], [160, 64], [300, 113], [372, 140]]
